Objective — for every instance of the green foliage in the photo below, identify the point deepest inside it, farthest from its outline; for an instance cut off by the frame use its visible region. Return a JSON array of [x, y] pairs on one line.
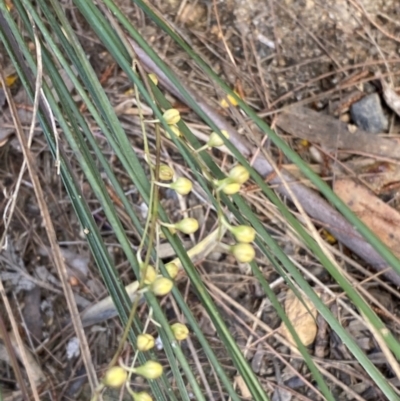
[[61, 47]]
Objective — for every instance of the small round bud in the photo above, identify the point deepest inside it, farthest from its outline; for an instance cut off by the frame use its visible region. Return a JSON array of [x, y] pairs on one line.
[[145, 342], [181, 332], [153, 77], [115, 377], [243, 253], [239, 174], [175, 130], [188, 225], [231, 188], [142, 396], [161, 286], [149, 273], [229, 100], [150, 370], [172, 269], [245, 234], [215, 140], [172, 116], [166, 173], [182, 186]]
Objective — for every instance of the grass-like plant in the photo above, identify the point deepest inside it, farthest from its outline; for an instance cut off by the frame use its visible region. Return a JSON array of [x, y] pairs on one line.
[[46, 24]]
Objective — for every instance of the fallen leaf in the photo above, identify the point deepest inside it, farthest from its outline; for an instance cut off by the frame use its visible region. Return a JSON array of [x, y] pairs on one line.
[[302, 315], [380, 218], [38, 375], [382, 177], [392, 99], [244, 390]]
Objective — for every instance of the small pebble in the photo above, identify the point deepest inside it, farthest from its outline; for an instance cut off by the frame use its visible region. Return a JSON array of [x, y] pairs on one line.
[[368, 114]]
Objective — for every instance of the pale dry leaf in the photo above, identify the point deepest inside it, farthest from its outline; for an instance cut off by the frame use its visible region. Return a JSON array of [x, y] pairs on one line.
[[37, 372], [380, 218], [13, 270], [244, 390], [5, 130], [382, 177], [302, 314], [392, 99]]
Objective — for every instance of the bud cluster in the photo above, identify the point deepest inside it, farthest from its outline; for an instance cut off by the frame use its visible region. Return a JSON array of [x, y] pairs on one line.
[[150, 279], [231, 185]]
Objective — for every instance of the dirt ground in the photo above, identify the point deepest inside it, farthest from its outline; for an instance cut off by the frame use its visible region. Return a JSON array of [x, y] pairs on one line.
[[323, 55]]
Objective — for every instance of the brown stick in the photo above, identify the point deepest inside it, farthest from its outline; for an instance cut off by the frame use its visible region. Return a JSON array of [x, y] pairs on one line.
[[312, 202]]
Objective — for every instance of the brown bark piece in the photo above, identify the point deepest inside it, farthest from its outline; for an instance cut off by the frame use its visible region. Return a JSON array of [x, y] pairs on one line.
[[381, 219], [315, 127]]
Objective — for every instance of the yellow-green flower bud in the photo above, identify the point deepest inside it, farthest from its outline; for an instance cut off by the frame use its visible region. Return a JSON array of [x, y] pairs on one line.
[[229, 98], [172, 269], [245, 234], [145, 342], [153, 77], [142, 396], [175, 130], [188, 225], [115, 377], [166, 173], [172, 116], [239, 174], [231, 188], [161, 286], [149, 273], [215, 140], [243, 253], [182, 186], [181, 332], [150, 370]]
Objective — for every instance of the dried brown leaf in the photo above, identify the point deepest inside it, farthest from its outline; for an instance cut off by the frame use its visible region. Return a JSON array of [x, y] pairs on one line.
[[302, 314], [380, 218]]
